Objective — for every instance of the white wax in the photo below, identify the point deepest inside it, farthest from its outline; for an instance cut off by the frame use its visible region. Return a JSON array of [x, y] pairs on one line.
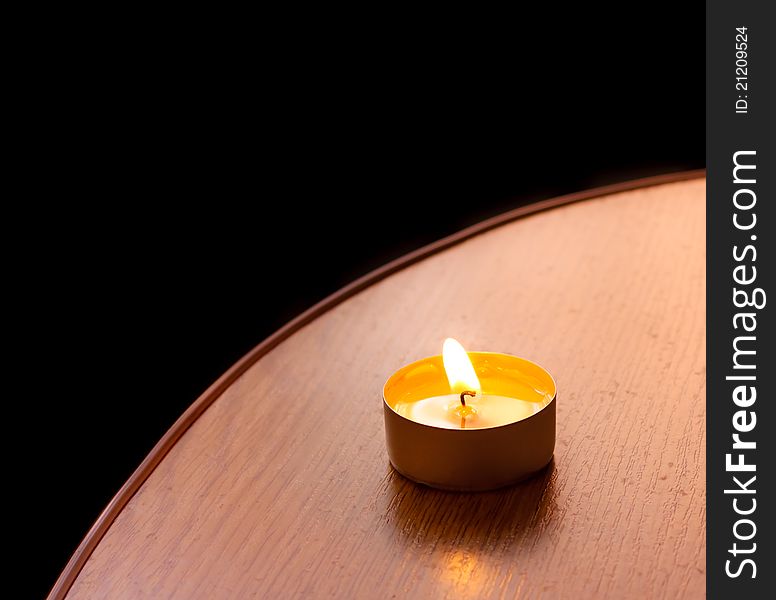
[[490, 411]]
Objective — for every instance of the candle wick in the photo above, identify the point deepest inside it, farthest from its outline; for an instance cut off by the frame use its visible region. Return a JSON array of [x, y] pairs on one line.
[[466, 393]]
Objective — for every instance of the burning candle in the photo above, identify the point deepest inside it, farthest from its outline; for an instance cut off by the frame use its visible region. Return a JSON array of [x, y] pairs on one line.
[[469, 421], [467, 406]]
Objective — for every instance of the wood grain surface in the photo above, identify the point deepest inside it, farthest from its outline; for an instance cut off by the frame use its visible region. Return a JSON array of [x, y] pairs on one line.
[[282, 487]]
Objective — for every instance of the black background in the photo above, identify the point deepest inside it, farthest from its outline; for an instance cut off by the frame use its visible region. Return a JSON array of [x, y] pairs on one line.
[[210, 184]]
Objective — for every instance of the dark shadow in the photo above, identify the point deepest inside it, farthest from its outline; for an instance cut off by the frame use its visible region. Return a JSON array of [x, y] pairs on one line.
[[481, 522]]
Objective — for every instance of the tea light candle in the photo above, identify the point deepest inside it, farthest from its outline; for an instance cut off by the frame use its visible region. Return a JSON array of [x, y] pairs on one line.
[[469, 421], [466, 406]]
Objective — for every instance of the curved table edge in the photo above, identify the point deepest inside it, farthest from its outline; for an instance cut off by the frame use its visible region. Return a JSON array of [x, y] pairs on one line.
[[201, 404]]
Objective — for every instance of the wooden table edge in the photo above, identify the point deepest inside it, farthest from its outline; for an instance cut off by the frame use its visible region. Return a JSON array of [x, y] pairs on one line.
[[160, 450]]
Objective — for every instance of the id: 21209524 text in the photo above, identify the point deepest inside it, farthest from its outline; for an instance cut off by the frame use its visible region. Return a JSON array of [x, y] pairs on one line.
[[742, 70]]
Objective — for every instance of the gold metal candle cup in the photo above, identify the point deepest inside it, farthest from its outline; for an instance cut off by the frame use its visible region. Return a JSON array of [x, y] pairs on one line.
[[470, 459]]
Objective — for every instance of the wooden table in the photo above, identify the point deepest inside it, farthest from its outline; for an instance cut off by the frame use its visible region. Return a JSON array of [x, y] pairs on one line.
[[276, 484]]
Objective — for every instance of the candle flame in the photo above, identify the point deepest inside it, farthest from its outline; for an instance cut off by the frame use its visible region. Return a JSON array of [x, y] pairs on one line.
[[459, 369]]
